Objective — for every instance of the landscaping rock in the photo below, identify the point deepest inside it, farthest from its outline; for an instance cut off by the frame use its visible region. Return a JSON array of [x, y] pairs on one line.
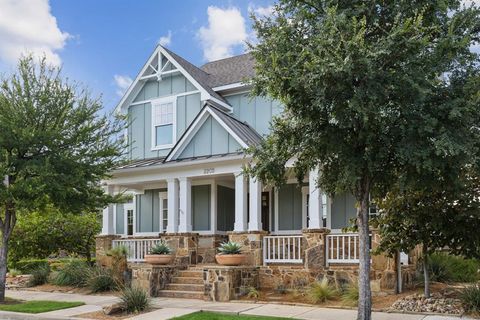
[[435, 304], [112, 309], [21, 281]]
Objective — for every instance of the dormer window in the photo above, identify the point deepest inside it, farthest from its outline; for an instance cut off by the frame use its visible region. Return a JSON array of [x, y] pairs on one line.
[[163, 123]]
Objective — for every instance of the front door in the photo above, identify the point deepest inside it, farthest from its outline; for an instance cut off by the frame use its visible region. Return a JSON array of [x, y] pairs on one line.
[[266, 211]]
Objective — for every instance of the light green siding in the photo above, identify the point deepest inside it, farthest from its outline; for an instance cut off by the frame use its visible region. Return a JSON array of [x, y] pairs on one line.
[[148, 211], [257, 111], [343, 209], [201, 208], [210, 139], [119, 219], [225, 208], [170, 85], [289, 207]]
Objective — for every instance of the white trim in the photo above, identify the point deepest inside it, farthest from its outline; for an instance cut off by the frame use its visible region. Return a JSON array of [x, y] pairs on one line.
[[213, 207], [126, 207], [165, 96], [162, 195], [193, 129], [155, 103], [305, 193], [230, 86], [286, 232]]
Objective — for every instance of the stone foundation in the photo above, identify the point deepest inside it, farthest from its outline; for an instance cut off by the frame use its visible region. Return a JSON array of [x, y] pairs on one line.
[[184, 245], [224, 283], [252, 243], [207, 247], [314, 248], [152, 278], [103, 243]]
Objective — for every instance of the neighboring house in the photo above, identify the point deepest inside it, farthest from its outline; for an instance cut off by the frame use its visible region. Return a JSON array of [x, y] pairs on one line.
[[188, 128]]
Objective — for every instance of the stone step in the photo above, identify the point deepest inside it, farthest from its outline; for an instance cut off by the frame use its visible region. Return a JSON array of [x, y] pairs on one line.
[[181, 294], [187, 280], [190, 274], [185, 287]]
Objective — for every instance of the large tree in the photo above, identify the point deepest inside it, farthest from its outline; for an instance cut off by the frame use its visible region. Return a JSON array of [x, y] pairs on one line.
[[367, 90], [55, 148]]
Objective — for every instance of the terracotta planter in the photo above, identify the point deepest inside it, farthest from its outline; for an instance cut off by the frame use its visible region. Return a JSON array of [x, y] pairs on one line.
[[230, 259], [159, 258]]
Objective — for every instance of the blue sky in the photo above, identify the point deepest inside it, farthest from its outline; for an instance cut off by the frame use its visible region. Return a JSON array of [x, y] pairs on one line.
[[103, 44]]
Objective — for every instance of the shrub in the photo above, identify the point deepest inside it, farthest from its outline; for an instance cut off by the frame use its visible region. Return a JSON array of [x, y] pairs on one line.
[[134, 299], [230, 247], [14, 272], [101, 279], [279, 286], [39, 275], [74, 273], [29, 265], [161, 248], [118, 251], [470, 297], [321, 291], [253, 293], [350, 295], [449, 268]]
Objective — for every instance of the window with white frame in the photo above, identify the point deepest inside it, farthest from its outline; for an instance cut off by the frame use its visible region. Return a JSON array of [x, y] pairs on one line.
[[163, 211], [163, 124]]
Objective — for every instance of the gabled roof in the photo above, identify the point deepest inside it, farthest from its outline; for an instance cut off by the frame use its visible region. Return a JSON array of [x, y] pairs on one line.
[[245, 135], [229, 70], [197, 77]]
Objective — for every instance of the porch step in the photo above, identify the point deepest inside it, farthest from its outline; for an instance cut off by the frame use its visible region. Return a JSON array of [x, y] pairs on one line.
[[187, 280], [191, 274], [185, 287], [181, 294]]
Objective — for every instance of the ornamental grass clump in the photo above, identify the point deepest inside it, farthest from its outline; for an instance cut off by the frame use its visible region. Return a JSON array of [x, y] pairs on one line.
[[470, 297], [39, 275], [230, 247], [134, 299], [321, 291], [101, 280], [74, 273], [161, 248], [350, 295]]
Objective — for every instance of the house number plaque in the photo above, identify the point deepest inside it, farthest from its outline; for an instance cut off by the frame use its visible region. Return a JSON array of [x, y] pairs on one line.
[[209, 171]]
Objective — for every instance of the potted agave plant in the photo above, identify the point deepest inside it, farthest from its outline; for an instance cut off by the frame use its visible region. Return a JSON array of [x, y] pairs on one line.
[[230, 254], [159, 254]]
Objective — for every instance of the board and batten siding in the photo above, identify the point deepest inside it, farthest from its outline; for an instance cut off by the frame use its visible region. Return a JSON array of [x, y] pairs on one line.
[[119, 219], [225, 208], [289, 207], [343, 209], [201, 207], [148, 211], [257, 111], [210, 139], [140, 129]]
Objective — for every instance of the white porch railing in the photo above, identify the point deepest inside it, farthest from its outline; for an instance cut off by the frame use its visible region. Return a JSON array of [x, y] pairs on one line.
[[282, 249], [342, 248], [137, 248]]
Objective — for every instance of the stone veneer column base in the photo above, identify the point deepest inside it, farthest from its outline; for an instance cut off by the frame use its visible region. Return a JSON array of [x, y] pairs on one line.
[[103, 243], [184, 245], [252, 244], [225, 283], [207, 247], [314, 248]]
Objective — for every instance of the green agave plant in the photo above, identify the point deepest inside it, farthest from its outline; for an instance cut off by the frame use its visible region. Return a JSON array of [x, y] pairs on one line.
[[230, 247], [161, 248]]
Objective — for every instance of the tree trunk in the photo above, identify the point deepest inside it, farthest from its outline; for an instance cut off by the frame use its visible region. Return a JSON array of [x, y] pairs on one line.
[[365, 294], [3, 266], [426, 275]]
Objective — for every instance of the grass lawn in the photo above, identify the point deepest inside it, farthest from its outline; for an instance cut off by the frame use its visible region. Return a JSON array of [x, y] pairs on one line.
[[220, 316], [38, 306]]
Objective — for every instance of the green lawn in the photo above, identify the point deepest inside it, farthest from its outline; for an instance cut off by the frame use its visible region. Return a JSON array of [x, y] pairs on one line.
[[220, 316], [38, 306]]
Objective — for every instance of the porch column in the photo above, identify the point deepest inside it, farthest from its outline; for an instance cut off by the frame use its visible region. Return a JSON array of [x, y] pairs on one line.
[[108, 214], [255, 223], [241, 192], [315, 205], [185, 205], [172, 200]]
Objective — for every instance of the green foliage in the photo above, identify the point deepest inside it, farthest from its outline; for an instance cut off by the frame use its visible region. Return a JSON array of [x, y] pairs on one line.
[[118, 251], [27, 266], [321, 291], [449, 268], [350, 295], [279, 286], [39, 275], [253, 293], [74, 273], [161, 248], [134, 299], [470, 297], [101, 279], [39, 306], [14, 272], [43, 233], [230, 247], [204, 315]]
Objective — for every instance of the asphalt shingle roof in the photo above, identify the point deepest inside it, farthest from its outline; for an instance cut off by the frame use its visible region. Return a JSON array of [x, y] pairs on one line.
[[229, 70]]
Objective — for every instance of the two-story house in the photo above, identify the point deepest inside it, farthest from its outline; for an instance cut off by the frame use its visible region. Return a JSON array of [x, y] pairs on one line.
[[188, 128]]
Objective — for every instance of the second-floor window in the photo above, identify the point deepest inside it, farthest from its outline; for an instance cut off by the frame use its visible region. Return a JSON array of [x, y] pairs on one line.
[[163, 126]]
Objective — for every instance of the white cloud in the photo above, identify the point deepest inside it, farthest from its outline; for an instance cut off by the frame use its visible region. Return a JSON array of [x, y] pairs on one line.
[[261, 11], [28, 26], [122, 82], [166, 40], [226, 29]]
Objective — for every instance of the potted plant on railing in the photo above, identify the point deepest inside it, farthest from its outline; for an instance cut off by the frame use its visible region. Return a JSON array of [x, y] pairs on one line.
[[230, 254], [160, 254]]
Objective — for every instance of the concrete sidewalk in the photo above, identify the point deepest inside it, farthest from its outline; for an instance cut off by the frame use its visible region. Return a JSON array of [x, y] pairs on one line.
[[171, 307]]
